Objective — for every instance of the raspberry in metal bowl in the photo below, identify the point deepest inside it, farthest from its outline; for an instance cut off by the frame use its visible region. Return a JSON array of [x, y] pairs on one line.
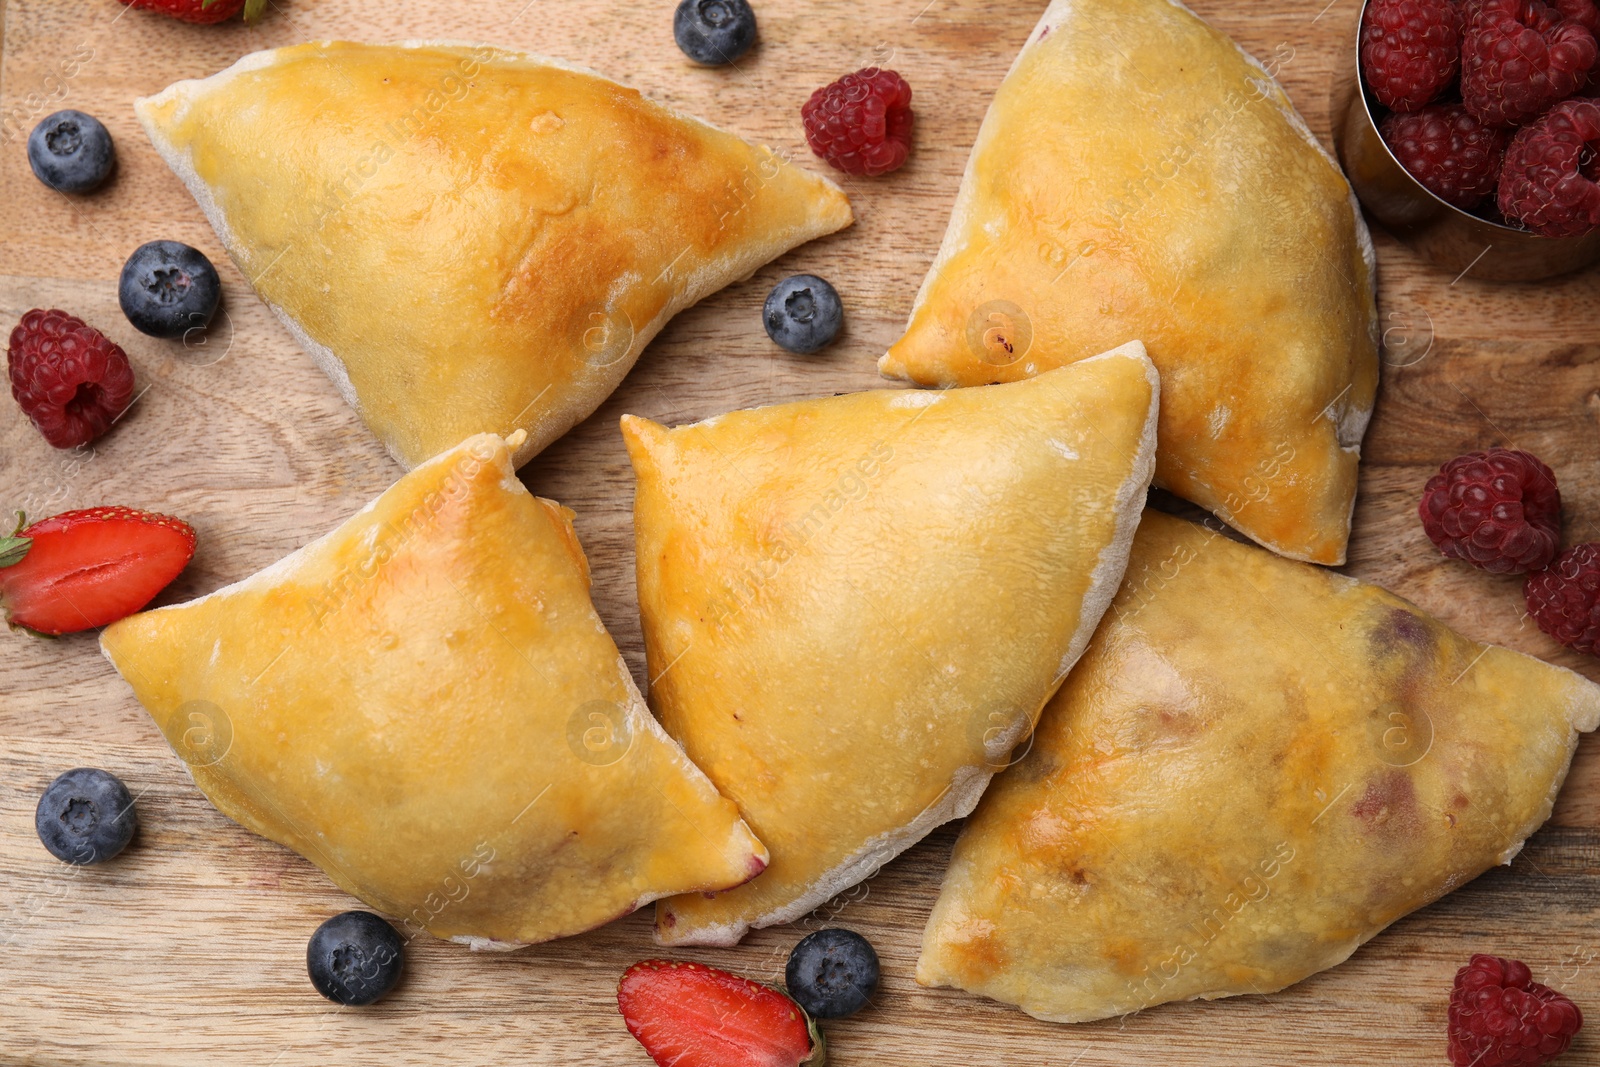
[[1475, 240]]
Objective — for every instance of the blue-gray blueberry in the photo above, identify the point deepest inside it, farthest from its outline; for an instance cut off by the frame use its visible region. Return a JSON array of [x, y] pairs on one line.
[[168, 289], [714, 32], [354, 958], [803, 313], [71, 152], [86, 816], [832, 973]]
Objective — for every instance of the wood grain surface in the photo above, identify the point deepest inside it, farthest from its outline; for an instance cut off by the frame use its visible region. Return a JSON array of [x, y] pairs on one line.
[[190, 948]]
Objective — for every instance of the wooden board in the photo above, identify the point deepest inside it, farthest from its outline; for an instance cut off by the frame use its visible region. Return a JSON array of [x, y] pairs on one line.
[[191, 948]]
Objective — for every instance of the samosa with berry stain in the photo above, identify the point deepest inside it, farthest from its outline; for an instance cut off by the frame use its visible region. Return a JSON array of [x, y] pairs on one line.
[[1139, 176], [1256, 767]]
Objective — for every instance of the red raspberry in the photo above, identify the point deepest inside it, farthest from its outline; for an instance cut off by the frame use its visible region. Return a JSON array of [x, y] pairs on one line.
[[1564, 598], [1500, 1017], [68, 378], [1548, 182], [1582, 12], [862, 122], [1499, 510], [1520, 56], [1456, 157], [1410, 50]]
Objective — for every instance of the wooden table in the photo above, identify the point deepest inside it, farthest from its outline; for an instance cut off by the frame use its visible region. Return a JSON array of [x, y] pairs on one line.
[[191, 948]]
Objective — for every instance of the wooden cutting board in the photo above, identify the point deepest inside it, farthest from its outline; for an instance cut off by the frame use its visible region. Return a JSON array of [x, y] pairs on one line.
[[191, 947]]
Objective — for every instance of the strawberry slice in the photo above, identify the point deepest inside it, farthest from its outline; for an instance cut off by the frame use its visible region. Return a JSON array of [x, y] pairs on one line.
[[83, 569], [691, 1015]]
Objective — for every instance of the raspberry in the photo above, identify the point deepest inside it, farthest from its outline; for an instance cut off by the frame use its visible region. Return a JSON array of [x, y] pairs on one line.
[[1456, 157], [1520, 56], [69, 379], [1499, 510], [1548, 182], [861, 123], [1410, 50], [1500, 1017], [1564, 598], [1582, 12]]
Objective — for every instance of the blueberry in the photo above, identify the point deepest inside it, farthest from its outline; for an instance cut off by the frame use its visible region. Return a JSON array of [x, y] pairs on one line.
[[832, 973], [168, 289], [714, 32], [86, 816], [354, 958], [803, 313], [71, 152]]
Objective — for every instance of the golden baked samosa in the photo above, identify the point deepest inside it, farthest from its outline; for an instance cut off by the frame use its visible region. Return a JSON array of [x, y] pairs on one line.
[[1139, 175], [854, 606], [425, 704], [1256, 767], [468, 239]]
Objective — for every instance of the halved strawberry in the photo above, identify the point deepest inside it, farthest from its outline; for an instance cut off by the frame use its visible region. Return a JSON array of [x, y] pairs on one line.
[[203, 11], [83, 569], [691, 1015]]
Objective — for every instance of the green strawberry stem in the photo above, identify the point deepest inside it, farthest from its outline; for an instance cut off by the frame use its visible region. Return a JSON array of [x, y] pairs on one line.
[[13, 548], [253, 9], [43, 637], [819, 1047]]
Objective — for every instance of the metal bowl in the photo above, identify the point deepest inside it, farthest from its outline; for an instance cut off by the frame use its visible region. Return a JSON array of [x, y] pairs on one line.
[[1441, 233]]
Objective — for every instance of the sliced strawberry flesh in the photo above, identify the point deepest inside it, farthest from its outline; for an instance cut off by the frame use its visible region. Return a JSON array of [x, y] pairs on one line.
[[90, 568], [690, 1015]]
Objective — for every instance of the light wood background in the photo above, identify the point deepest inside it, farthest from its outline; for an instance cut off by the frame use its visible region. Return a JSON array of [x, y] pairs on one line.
[[191, 947]]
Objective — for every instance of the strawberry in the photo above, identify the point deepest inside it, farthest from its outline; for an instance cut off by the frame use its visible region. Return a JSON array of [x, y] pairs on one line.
[[691, 1015], [202, 11], [83, 569]]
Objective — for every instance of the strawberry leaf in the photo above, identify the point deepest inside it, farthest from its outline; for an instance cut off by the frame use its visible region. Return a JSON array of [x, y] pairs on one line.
[[13, 548], [819, 1047], [41, 635], [253, 10]]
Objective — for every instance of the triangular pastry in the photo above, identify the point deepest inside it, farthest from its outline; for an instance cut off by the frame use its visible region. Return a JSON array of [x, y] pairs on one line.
[[425, 704], [853, 607], [1256, 767], [1139, 175], [468, 239]]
